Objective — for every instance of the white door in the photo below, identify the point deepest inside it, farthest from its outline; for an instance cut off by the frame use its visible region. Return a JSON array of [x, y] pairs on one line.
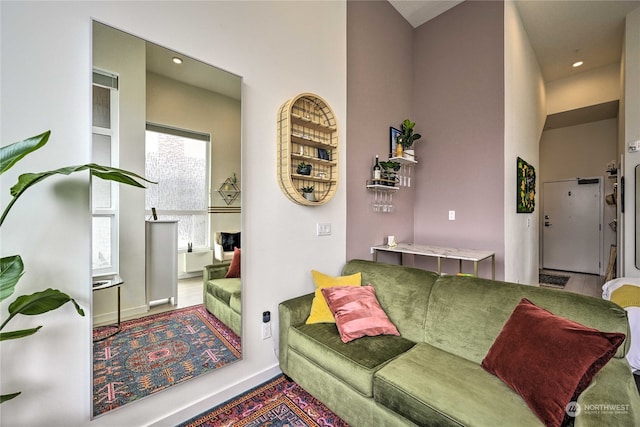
[[572, 225]]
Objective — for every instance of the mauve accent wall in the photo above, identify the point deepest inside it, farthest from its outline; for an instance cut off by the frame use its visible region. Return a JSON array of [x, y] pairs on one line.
[[459, 110], [379, 95]]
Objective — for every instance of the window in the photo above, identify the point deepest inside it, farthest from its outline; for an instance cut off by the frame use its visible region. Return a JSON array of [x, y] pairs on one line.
[[104, 194], [179, 161]]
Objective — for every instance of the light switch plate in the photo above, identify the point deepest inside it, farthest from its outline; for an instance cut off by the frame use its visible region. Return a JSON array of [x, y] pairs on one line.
[[323, 229]]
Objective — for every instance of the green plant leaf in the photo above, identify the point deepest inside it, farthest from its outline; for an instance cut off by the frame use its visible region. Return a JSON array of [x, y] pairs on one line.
[[41, 302], [27, 180], [18, 334], [11, 154], [5, 397], [11, 269], [38, 303], [105, 172]]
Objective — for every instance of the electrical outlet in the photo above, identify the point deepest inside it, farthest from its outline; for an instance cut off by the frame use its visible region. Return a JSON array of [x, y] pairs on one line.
[[266, 330], [452, 215]]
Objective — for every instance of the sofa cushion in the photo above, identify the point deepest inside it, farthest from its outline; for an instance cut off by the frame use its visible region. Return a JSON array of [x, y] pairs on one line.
[[234, 267], [320, 312], [230, 241], [403, 293], [355, 362], [357, 312], [235, 302], [224, 289], [547, 359], [473, 310], [432, 387]]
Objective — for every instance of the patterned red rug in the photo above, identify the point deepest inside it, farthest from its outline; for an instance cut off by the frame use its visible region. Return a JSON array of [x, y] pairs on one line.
[[278, 402], [151, 353]]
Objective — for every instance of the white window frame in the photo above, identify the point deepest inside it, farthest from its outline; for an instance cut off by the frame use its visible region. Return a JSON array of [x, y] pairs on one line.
[[206, 139], [113, 211]]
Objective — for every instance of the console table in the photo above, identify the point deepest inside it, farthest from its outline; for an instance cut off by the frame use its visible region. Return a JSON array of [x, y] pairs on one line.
[[100, 284], [472, 255]]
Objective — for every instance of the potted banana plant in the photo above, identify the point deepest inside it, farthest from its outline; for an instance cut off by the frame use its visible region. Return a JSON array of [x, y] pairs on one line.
[[12, 267]]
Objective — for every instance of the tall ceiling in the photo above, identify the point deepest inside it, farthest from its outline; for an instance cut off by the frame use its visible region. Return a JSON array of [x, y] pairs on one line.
[[191, 71], [560, 31]]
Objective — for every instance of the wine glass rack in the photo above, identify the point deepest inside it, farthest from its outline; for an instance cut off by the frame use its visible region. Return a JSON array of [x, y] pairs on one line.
[[383, 190]]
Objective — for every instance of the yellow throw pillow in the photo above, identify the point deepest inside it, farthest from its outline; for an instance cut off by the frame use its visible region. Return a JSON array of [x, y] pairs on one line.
[[320, 312], [626, 296]]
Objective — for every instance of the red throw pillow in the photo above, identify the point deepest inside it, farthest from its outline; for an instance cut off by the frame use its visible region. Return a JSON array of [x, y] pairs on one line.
[[357, 312], [234, 267], [548, 360]]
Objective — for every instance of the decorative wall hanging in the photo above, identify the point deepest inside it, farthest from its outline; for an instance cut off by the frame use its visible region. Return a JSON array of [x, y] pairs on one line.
[[307, 150], [228, 190], [525, 187]]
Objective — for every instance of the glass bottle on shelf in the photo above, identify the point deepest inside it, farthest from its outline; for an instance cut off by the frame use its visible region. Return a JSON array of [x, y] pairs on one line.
[[377, 172]]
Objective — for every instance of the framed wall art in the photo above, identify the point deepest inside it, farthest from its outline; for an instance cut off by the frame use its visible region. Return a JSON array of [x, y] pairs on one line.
[[525, 187], [393, 140]]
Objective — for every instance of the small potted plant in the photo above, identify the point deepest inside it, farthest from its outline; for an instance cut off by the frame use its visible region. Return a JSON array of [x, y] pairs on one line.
[[390, 172], [304, 168], [406, 139], [308, 193]]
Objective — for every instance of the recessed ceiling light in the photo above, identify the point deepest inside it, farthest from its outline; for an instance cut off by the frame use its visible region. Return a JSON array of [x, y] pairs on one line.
[[577, 64], [176, 60]]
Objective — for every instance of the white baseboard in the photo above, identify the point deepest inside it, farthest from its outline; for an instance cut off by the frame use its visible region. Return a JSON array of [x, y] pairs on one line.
[[210, 402], [112, 317]]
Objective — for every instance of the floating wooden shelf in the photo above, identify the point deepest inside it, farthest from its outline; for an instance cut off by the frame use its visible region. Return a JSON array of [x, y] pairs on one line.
[[403, 160], [307, 132], [381, 187]]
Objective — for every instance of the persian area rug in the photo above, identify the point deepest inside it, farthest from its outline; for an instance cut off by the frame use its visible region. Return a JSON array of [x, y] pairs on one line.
[[151, 353], [277, 402], [553, 280]]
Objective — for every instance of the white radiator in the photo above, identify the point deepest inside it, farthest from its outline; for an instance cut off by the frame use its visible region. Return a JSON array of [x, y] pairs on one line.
[[195, 261]]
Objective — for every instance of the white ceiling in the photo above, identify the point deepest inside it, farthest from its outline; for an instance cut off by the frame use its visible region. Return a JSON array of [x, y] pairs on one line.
[[192, 71], [556, 29]]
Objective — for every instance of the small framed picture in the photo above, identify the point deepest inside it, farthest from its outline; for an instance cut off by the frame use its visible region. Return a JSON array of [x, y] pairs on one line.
[[393, 140], [323, 154]]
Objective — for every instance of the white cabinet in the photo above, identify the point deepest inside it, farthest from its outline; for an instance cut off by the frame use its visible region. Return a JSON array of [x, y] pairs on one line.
[[161, 261]]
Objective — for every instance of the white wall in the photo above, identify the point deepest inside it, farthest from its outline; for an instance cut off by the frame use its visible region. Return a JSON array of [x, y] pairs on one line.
[[581, 151], [176, 104], [583, 89], [525, 113], [46, 78], [631, 132], [125, 55]]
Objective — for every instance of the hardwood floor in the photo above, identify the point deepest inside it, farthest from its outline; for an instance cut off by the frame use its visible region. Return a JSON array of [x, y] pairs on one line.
[[189, 293], [585, 284]]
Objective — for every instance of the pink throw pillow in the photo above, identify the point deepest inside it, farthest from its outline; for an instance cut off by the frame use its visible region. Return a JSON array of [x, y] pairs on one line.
[[357, 312]]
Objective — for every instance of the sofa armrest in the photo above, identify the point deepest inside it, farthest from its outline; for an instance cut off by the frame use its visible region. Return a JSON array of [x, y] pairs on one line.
[[612, 399], [215, 271], [292, 312]]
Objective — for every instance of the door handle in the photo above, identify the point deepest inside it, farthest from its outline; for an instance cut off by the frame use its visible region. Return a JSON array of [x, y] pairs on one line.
[[547, 224]]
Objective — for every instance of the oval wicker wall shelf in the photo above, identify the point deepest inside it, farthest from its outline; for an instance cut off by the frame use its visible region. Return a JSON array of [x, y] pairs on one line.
[[307, 133]]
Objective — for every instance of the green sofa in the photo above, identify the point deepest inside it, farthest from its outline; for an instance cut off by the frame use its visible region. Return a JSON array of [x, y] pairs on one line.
[[431, 375], [222, 296]]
